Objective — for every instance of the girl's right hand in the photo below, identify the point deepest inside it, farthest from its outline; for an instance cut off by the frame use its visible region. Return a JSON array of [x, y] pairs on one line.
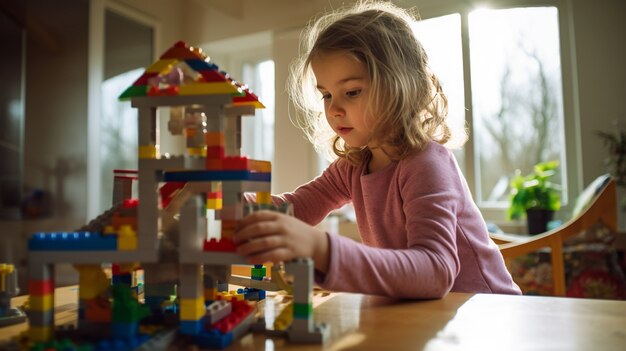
[[268, 236]]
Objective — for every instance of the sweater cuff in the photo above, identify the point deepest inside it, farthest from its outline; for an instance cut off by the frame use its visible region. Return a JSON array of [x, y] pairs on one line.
[[325, 281]]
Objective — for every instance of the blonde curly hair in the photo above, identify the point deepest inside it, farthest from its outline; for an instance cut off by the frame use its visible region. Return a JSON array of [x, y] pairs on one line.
[[405, 95]]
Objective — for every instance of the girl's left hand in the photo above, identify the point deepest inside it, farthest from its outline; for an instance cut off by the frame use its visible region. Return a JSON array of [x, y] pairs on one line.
[[268, 236]]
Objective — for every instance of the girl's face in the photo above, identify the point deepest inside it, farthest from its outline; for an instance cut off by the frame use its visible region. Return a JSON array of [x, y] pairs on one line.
[[344, 82]]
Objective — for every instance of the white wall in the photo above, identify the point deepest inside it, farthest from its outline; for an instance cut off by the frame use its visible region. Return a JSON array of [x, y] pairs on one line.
[[600, 32], [55, 151]]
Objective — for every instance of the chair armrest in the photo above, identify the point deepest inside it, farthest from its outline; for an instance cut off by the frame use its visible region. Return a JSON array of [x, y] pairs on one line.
[[505, 238]]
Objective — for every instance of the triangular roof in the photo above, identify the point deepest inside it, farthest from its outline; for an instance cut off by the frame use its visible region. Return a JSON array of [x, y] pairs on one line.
[[185, 70]]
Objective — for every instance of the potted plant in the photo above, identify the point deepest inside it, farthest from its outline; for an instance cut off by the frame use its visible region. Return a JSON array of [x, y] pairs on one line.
[[535, 196]]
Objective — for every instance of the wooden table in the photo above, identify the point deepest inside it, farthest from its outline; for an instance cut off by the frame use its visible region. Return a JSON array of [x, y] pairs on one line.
[[456, 322]]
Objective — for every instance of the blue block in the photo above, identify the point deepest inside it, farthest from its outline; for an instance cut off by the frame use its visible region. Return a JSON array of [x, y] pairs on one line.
[[124, 330], [191, 327], [201, 65], [154, 302], [122, 278], [252, 294], [120, 344], [212, 339], [72, 241], [201, 176]]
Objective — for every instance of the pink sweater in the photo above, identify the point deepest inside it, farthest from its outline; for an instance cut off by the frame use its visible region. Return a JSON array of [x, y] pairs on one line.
[[422, 234]]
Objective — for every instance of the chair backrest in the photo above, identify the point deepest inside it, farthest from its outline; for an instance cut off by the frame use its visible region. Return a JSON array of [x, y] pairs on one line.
[[601, 207], [590, 193]]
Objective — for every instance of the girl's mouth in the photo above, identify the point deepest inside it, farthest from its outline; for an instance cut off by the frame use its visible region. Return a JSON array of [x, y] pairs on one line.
[[344, 130]]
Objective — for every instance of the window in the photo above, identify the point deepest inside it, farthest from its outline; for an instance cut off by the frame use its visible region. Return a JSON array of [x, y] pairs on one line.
[[516, 96], [247, 59], [118, 133], [122, 44], [516, 107], [257, 141]]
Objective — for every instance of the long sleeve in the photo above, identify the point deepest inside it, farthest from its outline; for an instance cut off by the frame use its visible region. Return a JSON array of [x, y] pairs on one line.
[[313, 201], [422, 234]]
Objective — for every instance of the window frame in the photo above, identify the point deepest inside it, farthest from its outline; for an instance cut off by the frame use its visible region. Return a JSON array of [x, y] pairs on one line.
[[571, 114]]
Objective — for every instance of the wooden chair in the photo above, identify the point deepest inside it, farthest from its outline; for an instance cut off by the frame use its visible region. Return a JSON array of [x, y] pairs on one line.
[[602, 207]]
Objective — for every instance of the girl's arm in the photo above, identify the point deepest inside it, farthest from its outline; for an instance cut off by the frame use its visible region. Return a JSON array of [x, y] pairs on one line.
[[417, 254], [270, 236], [313, 201]]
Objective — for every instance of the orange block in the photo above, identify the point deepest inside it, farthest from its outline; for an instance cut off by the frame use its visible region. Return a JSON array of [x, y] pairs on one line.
[[214, 139], [117, 221]]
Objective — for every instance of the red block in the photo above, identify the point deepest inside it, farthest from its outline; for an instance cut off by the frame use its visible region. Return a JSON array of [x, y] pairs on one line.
[[223, 245], [40, 287], [241, 310], [215, 152], [236, 163]]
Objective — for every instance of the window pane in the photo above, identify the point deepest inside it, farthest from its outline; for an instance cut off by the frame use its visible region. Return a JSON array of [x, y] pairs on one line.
[[258, 132], [441, 38], [118, 133], [517, 96], [128, 50]]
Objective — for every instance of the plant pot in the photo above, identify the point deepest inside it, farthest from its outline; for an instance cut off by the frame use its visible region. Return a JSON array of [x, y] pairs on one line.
[[538, 220]]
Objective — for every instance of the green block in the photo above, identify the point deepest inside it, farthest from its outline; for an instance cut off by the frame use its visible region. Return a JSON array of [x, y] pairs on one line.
[[141, 90], [258, 272], [302, 310], [126, 308]]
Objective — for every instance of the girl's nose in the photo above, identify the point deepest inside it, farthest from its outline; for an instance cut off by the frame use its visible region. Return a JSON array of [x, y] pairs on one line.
[[335, 110]]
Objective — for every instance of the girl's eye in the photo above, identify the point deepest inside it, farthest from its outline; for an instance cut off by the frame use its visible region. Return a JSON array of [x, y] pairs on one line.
[[353, 93], [325, 96]]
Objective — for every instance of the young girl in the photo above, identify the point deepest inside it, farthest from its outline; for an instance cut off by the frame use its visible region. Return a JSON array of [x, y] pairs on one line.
[[422, 234]]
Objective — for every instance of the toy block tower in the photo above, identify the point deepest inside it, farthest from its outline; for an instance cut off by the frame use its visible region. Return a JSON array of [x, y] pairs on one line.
[[206, 106], [165, 231]]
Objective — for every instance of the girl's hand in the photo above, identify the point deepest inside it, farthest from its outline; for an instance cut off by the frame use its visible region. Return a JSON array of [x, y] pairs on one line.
[[268, 236]]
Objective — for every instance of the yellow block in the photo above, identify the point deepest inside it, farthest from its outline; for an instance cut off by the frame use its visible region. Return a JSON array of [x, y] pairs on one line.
[[41, 303], [192, 309], [92, 281], [40, 334], [210, 293], [261, 166], [196, 151], [229, 296], [256, 104], [148, 151], [161, 66], [127, 243], [126, 238], [264, 198], [5, 269], [214, 204], [207, 88], [285, 318]]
